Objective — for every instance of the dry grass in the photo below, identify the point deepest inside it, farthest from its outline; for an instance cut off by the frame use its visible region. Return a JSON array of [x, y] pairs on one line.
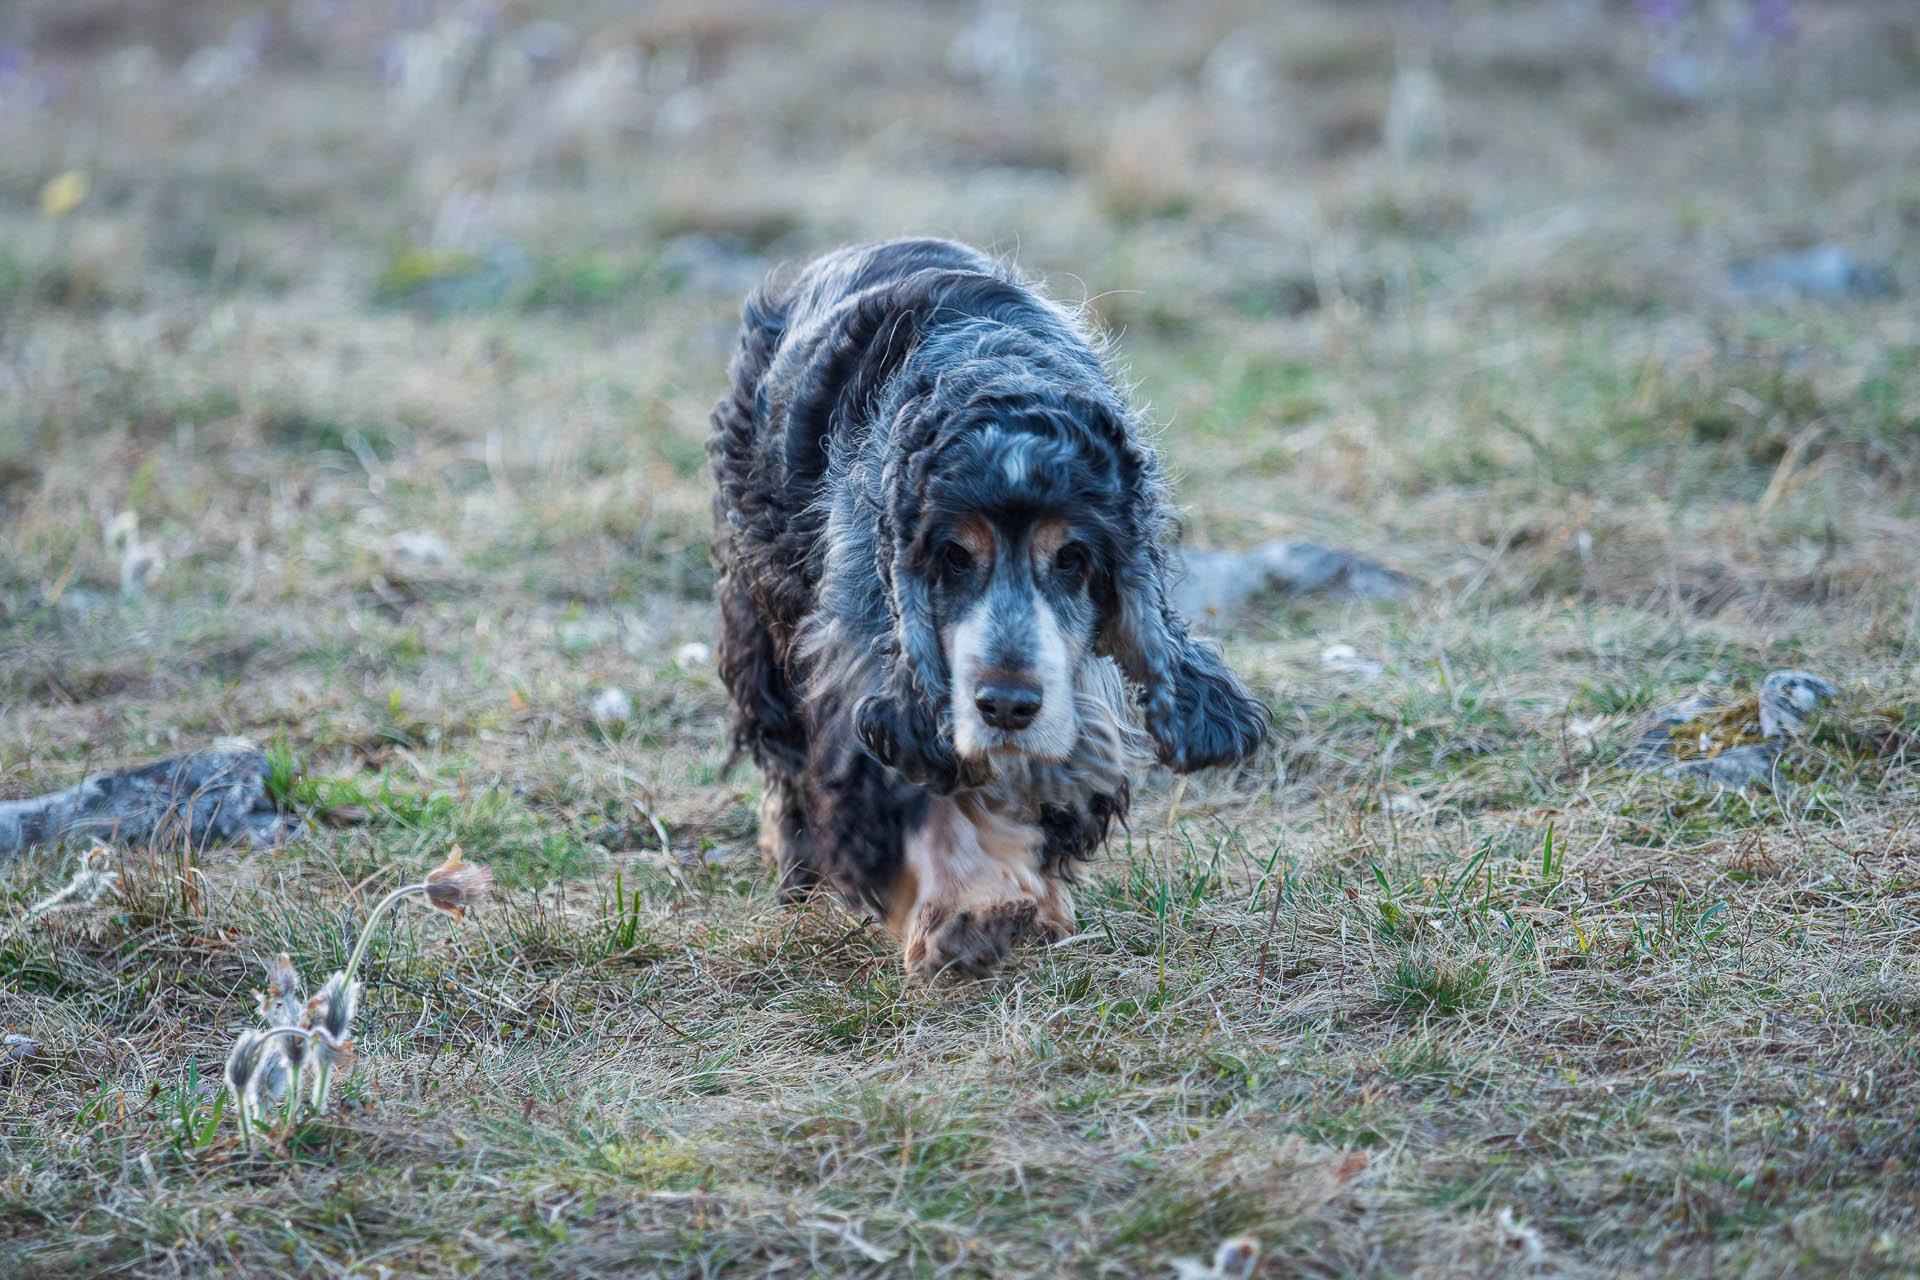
[[1435, 988]]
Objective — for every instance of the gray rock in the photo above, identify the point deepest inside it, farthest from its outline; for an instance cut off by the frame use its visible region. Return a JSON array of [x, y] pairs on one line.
[[1780, 710], [1828, 272], [716, 266], [1211, 587], [1735, 767], [1787, 698], [201, 798]]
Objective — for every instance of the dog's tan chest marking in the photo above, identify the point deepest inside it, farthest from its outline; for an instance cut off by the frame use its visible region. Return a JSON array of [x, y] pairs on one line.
[[970, 887]]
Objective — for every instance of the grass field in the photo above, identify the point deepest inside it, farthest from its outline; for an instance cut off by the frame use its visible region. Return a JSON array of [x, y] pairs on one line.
[[388, 350]]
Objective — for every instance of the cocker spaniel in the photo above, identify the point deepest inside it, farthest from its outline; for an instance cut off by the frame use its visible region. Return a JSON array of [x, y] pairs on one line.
[[943, 593]]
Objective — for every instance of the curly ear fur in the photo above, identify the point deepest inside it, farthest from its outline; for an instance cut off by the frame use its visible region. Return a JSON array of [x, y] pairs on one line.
[[1195, 708], [902, 723], [906, 723], [897, 731]]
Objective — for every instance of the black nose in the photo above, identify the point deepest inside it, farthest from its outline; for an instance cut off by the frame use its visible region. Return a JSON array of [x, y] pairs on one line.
[[1010, 704]]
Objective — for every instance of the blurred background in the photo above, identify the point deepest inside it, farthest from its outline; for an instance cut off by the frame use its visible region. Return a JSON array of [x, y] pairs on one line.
[[355, 366], [337, 335]]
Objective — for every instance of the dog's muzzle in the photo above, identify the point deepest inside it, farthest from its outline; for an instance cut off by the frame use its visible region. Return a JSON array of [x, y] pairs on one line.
[[1008, 700]]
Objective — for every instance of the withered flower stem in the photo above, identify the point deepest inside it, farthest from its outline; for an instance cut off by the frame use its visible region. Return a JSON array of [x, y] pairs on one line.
[[453, 886]]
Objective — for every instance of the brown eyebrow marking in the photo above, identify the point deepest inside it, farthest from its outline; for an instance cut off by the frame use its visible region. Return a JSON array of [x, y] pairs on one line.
[[976, 536], [1047, 538]]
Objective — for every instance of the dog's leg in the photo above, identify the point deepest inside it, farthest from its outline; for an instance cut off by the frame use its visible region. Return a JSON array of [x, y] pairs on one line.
[[970, 887], [753, 665], [783, 840], [768, 725]]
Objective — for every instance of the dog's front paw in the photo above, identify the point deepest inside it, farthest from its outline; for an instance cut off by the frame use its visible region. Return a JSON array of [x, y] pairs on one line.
[[907, 741], [969, 942]]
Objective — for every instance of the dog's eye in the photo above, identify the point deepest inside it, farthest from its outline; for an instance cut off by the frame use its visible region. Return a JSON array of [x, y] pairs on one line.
[[1070, 562], [956, 562]]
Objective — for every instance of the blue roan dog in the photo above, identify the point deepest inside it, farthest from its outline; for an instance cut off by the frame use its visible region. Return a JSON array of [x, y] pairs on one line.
[[942, 587]]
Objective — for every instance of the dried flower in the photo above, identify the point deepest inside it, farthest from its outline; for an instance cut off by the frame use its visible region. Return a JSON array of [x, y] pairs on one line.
[[457, 884], [453, 886], [268, 1063], [93, 880], [243, 1063], [283, 1003], [1233, 1260], [243, 1060], [271, 1076], [334, 1007], [330, 1014], [259, 1067]]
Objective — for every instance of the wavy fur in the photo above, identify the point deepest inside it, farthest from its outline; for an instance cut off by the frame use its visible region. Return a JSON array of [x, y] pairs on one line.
[[879, 396]]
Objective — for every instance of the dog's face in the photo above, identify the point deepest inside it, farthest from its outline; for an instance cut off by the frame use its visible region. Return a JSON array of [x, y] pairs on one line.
[[1015, 620], [1009, 555], [1025, 532]]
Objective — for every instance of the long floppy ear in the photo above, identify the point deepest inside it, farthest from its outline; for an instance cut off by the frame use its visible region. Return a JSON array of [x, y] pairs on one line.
[[1196, 709], [907, 724], [900, 718]]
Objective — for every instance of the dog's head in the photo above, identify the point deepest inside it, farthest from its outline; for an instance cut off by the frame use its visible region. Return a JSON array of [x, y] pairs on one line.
[[1026, 527], [1010, 584]]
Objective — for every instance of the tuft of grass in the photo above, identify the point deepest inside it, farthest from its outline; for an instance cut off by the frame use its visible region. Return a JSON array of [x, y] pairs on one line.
[[1423, 981]]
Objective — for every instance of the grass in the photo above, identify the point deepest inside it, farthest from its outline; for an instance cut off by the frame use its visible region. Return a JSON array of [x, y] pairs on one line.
[[1433, 988]]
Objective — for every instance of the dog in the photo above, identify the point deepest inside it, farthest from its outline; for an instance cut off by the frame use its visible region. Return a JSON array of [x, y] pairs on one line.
[[943, 595]]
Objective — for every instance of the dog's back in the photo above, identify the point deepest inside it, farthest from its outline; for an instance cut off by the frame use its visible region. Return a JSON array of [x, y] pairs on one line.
[[816, 348]]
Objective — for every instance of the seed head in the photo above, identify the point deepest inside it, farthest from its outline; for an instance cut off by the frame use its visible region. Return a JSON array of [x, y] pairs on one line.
[[92, 880], [270, 1077], [283, 1004], [330, 1014], [284, 1000], [457, 884], [1234, 1258], [244, 1061], [335, 1006]]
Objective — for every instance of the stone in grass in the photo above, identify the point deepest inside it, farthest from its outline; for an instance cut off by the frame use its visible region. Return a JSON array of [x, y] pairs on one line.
[[611, 706], [1211, 587], [1827, 272], [200, 798], [1733, 745]]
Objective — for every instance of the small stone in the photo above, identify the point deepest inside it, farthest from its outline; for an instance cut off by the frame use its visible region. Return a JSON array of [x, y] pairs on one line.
[[1827, 272], [611, 705], [421, 545], [1346, 660]]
